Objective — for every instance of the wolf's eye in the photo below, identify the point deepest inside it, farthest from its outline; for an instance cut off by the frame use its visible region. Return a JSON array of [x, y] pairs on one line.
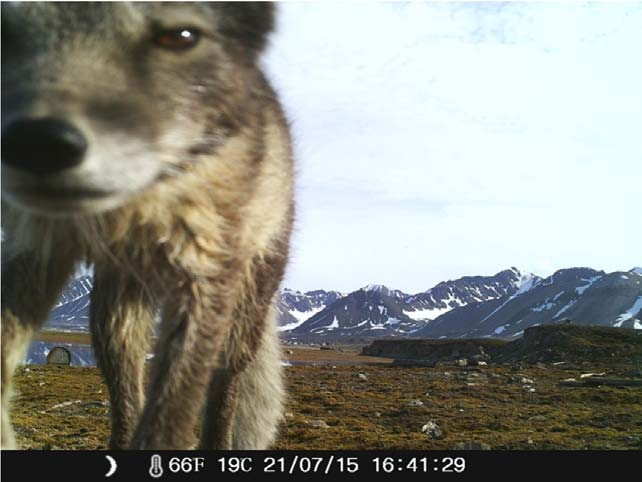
[[178, 39]]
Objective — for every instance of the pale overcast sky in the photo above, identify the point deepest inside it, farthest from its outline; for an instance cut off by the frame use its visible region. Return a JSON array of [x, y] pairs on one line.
[[435, 141]]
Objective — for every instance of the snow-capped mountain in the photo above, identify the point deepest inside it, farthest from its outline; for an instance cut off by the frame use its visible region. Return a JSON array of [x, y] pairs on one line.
[[581, 295], [71, 313], [448, 295], [472, 306], [384, 290], [376, 310], [295, 307]]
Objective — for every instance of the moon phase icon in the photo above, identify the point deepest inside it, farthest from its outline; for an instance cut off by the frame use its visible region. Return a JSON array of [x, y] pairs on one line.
[[112, 466]]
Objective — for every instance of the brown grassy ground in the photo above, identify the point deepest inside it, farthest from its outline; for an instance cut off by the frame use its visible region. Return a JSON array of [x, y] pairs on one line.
[[63, 407], [344, 355], [63, 337]]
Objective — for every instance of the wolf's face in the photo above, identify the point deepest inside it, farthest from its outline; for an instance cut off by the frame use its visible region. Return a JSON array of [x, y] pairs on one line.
[[101, 101]]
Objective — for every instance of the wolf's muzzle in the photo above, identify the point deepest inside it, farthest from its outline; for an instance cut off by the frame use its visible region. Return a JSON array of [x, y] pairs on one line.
[[42, 146]]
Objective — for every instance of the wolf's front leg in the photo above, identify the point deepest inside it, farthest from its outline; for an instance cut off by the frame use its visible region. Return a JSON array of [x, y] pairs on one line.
[[30, 287], [121, 318], [222, 401], [246, 392], [195, 322], [245, 401]]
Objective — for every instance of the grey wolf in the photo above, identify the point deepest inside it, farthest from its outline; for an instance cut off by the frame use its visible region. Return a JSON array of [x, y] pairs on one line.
[[143, 138]]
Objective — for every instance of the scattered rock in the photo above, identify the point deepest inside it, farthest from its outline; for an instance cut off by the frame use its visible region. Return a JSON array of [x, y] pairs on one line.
[[471, 446], [63, 404], [479, 359], [318, 424], [377, 414], [482, 363], [587, 375], [432, 430], [288, 415], [362, 376], [48, 446], [537, 418], [462, 362], [96, 404]]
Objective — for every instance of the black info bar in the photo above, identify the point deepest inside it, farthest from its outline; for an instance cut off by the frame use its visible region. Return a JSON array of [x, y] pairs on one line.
[[248, 465]]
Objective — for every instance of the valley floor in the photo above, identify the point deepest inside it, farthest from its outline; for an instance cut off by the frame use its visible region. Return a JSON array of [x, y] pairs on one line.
[[375, 407]]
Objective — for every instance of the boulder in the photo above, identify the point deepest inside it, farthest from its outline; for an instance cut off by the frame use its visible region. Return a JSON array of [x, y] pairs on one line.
[[432, 430]]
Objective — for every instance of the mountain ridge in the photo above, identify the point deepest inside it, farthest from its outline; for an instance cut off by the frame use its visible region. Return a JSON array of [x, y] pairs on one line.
[[501, 305]]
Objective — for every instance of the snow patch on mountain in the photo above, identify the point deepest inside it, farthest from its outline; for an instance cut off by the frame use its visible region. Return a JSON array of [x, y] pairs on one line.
[[304, 315], [630, 313], [291, 326], [333, 325], [378, 288], [500, 329], [427, 314], [565, 308], [581, 289], [548, 304], [526, 282]]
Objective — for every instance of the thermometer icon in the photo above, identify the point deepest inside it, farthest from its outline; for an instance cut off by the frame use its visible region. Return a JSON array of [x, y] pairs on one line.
[[156, 470]]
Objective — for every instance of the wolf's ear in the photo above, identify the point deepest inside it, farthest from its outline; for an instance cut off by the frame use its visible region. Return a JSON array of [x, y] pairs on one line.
[[247, 23]]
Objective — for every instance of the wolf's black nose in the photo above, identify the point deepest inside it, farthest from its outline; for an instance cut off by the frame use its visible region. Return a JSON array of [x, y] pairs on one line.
[[42, 146]]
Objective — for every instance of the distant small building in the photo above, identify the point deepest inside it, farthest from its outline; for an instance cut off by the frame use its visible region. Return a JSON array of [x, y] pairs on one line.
[[59, 356]]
